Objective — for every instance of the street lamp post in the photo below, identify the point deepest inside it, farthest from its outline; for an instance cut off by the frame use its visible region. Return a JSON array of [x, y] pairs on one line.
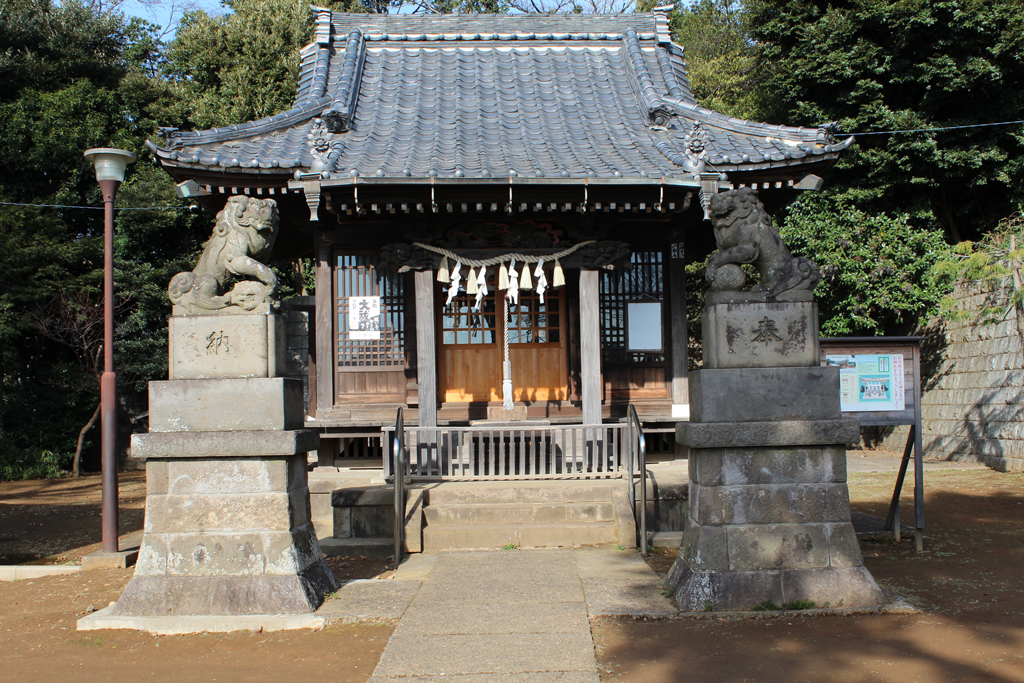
[[110, 166]]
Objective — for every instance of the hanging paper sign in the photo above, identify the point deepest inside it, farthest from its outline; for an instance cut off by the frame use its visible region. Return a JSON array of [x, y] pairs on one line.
[[870, 382], [364, 317]]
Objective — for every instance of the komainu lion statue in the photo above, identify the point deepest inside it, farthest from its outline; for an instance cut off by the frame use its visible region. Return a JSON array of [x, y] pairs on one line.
[[242, 237], [744, 234]]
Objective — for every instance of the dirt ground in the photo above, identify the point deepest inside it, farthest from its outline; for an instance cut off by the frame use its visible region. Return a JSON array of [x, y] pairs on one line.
[[969, 583], [56, 522]]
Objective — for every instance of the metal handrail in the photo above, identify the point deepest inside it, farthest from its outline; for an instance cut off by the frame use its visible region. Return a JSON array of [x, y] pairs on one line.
[[637, 454], [396, 456]]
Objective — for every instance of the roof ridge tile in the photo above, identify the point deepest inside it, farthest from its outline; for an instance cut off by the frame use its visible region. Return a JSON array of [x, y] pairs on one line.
[[338, 117]]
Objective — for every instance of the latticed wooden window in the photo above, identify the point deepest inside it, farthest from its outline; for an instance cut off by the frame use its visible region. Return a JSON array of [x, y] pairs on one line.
[[632, 303], [533, 322], [462, 324], [530, 321], [377, 297]]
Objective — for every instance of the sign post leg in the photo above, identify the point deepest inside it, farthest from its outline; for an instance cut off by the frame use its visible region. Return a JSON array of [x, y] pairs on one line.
[[892, 519]]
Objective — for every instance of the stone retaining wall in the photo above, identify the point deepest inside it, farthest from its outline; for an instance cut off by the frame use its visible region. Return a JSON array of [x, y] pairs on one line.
[[973, 386]]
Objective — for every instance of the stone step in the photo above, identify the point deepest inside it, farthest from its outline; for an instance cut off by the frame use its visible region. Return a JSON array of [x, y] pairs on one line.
[[356, 547], [493, 536], [523, 492], [523, 513]]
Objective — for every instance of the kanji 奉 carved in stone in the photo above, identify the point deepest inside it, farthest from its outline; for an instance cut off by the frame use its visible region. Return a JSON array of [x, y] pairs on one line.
[[744, 234], [243, 236]]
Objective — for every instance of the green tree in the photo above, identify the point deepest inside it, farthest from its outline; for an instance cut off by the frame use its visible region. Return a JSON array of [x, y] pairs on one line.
[[877, 271], [720, 58], [883, 65], [76, 77], [239, 66]]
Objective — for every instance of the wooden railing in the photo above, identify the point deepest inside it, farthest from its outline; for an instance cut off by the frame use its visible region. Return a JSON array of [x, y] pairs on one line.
[[505, 452]]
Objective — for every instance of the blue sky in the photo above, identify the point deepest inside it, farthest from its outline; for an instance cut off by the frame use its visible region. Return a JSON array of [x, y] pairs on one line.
[[166, 12]]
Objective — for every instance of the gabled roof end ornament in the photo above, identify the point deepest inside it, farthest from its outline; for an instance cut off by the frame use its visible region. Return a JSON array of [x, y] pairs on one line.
[[827, 132], [660, 115]]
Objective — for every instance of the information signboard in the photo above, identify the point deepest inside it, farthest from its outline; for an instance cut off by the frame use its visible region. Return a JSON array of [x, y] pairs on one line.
[[880, 383], [870, 382]]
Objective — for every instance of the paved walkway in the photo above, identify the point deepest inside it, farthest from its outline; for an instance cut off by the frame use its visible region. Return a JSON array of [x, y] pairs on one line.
[[519, 616]]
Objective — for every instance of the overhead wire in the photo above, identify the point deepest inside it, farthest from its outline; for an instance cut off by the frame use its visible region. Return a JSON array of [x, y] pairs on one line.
[[190, 207], [931, 130]]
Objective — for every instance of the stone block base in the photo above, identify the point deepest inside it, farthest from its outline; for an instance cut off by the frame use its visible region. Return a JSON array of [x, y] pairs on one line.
[[367, 513], [227, 535], [180, 625], [101, 560], [165, 595], [222, 405], [499, 414], [769, 394], [770, 523], [695, 591]]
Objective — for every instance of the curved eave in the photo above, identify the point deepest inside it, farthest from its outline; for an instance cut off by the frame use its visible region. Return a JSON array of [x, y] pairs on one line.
[[808, 140], [806, 164]]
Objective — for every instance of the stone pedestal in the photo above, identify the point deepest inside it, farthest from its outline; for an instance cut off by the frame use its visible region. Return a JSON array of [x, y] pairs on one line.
[[761, 334], [228, 529], [225, 346], [769, 509]]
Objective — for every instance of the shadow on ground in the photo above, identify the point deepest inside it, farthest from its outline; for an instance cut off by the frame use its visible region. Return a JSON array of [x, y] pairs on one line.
[[968, 583], [58, 520]]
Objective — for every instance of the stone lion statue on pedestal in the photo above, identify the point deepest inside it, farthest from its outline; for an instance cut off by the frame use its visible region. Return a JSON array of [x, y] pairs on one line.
[[243, 236], [744, 234]]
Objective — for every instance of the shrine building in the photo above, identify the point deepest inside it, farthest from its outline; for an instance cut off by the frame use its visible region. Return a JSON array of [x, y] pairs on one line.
[[422, 145]]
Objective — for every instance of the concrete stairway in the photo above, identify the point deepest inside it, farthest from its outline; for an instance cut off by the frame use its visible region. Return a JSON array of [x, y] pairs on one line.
[[527, 514]]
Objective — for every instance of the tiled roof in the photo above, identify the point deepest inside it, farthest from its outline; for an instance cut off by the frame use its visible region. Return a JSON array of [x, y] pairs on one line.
[[490, 96]]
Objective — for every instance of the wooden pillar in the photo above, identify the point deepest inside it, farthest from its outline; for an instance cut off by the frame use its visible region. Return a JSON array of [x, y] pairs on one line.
[[590, 347], [426, 354], [324, 320], [680, 340], [677, 328]]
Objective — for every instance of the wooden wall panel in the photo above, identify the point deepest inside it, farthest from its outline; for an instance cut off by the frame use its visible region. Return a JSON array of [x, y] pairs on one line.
[[633, 382], [544, 368], [470, 374], [374, 386]]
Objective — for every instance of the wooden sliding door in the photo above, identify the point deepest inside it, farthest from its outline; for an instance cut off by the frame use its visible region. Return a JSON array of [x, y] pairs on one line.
[[369, 331], [471, 347]]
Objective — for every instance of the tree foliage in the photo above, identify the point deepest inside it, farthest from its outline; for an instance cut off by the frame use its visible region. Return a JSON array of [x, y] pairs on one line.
[[238, 66], [76, 77], [877, 271], [884, 65], [720, 58]]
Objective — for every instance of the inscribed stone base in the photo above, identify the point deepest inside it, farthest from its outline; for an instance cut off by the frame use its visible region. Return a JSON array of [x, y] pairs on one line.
[[761, 335], [218, 346], [227, 536]]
